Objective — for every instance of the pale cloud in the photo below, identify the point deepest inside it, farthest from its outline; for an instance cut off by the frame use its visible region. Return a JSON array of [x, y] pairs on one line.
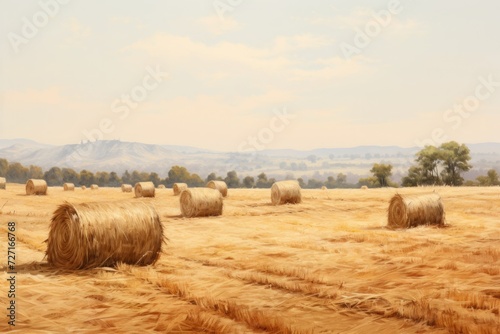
[[217, 26], [78, 33], [303, 41]]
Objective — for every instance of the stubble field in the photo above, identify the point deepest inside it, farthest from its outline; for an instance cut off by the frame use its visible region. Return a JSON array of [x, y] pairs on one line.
[[327, 265]]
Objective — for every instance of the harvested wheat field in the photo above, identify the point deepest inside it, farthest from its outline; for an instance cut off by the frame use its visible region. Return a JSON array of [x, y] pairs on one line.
[[326, 265]]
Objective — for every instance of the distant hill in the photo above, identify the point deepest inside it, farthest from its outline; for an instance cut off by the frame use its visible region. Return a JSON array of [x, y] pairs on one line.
[[118, 156]]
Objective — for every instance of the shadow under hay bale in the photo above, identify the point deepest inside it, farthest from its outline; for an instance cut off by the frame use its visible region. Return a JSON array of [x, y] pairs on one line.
[[36, 187], [3, 183], [411, 211], [69, 187], [127, 188], [284, 192], [201, 202], [178, 188], [90, 235], [144, 189], [219, 185]]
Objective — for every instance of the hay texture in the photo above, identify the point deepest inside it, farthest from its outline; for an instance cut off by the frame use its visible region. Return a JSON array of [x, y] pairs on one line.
[[284, 192], [178, 188], [221, 186], [201, 202], [161, 186], [144, 189], [3, 182], [411, 211], [127, 188], [69, 187], [83, 187], [36, 187], [90, 235], [323, 188], [364, 187], [94, 187]]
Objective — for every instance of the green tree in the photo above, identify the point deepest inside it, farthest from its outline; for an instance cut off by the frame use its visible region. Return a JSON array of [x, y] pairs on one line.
[[114, 180], [195, 181], [428, 159], [382, 173], [102, 179], [17, 173], [70, 175], [301, 182], [262, 181], [330, 182], [4, 167], [249, 182], [370, 182], [414, 177], [314, 184], [126, 177], [135, 177], [490, 179], [53, 176], [86, 178], [341, 179], [232, 180], [155, 178], [178, 174], [455, 159], [35, 172]]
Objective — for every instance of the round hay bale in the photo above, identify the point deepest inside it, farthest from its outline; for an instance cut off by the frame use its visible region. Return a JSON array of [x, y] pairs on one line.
[[90, 235], [364, 187], [3, 183], [83, 187], [161, 186], [94, 187], [201, 202], [179, 187], [144, 189], [36, 187], [411, 211], [323, 188], [283, 192], [127, 188], [219, 185], [69, 187]]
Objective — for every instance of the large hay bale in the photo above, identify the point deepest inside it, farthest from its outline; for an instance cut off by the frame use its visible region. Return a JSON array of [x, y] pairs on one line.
[[219, 185], [36, 187], [94, 187], [364, 187], [179, 187], [90, 235], [127, 188], [283, 192], [144, 189], [161, 186], [69, 187], [201, 202], [3, 183], [411, 211]]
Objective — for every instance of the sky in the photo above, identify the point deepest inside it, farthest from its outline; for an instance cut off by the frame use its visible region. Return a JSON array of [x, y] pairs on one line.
[[238, 75]]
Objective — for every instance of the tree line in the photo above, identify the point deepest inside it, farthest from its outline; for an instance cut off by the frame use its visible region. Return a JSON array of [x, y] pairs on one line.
[[443, 165]]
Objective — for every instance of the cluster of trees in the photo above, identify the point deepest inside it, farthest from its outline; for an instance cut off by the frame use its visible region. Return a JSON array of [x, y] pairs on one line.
[[441, 165]]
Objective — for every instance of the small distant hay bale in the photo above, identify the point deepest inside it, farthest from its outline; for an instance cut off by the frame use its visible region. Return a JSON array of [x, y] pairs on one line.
[[3, 183], [284, 192], [83, 187], [69, 187], [144, 189], [36, 187], [90, 235], [411, 211], [127, 188], [219, 185], [179, 187], [201, 202], [323, 188], [364, 187], [94, 187], [161, 186]]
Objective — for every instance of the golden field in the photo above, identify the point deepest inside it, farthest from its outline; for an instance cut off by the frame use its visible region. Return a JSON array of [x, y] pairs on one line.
[[327, 265]]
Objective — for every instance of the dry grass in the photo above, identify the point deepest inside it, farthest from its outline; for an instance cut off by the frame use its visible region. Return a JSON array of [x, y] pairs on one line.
[[412, 211], [219, 185], [94, 187], [327, 265], [69, 187], [127, 188], [3, 183]]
